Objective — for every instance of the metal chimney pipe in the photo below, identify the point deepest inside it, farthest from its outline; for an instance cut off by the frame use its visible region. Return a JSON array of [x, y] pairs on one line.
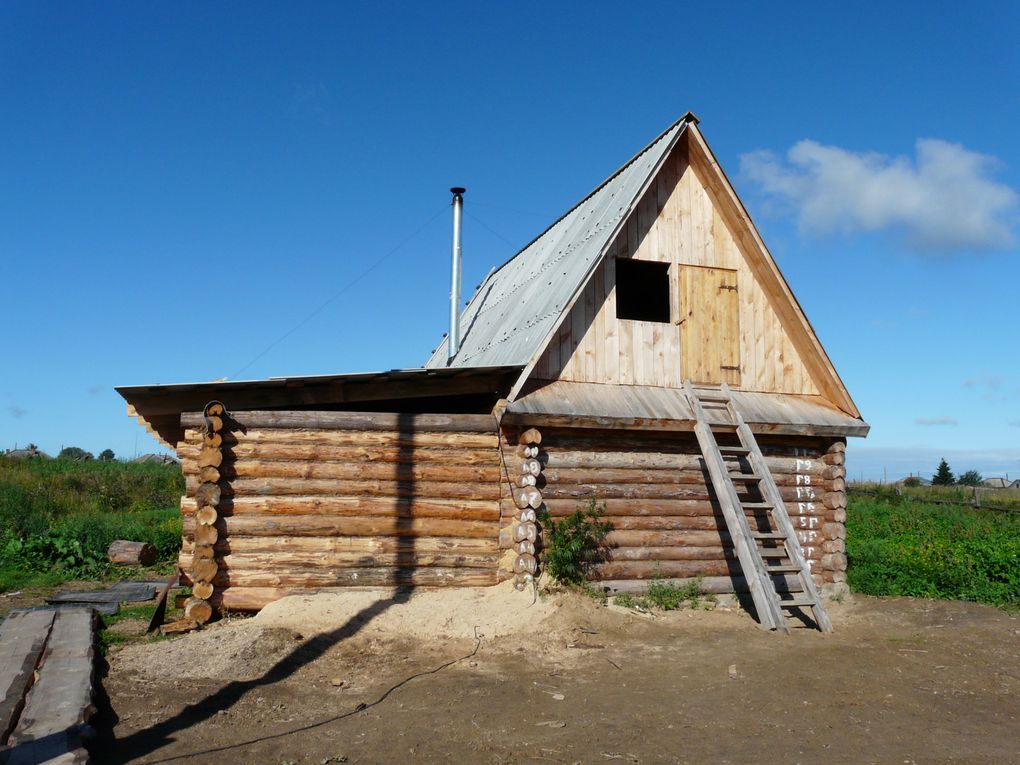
[[453, 342]]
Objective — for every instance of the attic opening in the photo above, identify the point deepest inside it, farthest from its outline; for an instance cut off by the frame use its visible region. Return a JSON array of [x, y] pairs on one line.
[[642, 290]]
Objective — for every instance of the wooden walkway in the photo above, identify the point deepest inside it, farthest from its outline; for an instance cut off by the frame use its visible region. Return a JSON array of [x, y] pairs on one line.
[[47, 662]]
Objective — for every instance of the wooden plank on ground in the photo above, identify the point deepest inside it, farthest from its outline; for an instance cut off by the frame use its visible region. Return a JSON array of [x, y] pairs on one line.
[[59, 704], [22, 637]]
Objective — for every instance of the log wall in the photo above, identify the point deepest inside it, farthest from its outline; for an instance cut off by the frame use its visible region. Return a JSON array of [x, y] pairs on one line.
[[311, 500], [665, 520]]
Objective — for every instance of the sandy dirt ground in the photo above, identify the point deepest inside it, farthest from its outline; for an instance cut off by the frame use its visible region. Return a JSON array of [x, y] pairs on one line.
[[485, 676]]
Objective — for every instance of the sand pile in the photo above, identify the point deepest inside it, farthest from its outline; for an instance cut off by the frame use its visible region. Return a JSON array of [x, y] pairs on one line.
[[240, 649], [452, 612]]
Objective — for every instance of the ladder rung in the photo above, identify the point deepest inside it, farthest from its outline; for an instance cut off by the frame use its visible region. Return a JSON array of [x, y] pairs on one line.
[[745, 476], [772, 552], [718, 397], [798, 603], [786, 569], [737, 450], [757, 505], [768, 535]]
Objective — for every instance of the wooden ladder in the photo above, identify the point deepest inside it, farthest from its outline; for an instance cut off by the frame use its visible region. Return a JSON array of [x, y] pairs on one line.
[[762, 554]]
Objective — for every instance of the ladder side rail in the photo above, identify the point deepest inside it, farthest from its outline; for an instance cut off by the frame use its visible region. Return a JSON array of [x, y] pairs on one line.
[[763, 594], [782, 519]]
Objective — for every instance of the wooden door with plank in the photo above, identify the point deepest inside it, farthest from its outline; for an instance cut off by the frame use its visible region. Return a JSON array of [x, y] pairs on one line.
[[709, 325]]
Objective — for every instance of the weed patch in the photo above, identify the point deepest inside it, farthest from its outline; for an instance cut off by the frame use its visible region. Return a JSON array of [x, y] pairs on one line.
[[58, 517], [666, 595], [898, 547]]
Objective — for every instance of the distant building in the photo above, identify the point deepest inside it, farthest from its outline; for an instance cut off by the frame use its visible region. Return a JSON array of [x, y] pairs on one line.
[[997, 483], [913, 479], [157, 459], [25, 454]]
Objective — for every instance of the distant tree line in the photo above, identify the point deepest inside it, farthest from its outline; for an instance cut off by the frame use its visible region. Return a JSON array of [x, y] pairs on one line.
[[944, 476]]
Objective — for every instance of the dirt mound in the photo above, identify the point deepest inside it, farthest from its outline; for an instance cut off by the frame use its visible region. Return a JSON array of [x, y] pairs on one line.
[[244, 648]]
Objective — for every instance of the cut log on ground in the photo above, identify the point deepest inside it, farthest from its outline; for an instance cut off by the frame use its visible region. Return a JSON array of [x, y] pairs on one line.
[[126, 553]]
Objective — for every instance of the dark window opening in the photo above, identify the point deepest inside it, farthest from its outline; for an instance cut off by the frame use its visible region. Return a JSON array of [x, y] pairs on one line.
[[642, 290]]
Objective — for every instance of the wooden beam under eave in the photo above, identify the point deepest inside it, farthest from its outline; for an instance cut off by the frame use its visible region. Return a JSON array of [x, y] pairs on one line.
[[263, 396], [764, 267], [662, 425]]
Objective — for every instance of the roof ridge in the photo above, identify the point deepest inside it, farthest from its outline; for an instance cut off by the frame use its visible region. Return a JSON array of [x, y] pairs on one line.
[[494, 307], [688, 117]]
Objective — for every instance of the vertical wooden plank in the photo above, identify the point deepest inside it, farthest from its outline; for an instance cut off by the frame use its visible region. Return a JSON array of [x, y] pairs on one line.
[[589, 340], [599, 333], [625, 329], [576, 337], [637, 355], [566, 369], [685, 244], [769, 335], [612, 350], [729, 341]]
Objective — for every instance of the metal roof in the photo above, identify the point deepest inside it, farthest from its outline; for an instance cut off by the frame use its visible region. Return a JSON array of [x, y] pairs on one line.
[[390, 375], [649, 407], [516, 307]]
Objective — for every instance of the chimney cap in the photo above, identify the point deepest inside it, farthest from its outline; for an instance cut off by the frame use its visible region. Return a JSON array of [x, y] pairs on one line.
[[457, 190]]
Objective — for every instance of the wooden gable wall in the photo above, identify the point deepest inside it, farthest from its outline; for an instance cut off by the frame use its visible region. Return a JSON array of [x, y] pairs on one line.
[[675, 222]]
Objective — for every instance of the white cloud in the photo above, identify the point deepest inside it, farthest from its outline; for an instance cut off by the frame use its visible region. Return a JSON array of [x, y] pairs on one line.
[[937, 421], [944, 200]]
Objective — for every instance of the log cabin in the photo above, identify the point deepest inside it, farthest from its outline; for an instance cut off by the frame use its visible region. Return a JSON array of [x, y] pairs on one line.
[[644, 352]]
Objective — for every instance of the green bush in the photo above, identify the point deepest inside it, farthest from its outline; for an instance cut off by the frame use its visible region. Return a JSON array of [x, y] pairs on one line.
[[573, 544], [897, 547], [59, 517]]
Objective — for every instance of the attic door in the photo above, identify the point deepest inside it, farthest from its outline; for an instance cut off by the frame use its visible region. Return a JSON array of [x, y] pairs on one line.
[[709, 325]]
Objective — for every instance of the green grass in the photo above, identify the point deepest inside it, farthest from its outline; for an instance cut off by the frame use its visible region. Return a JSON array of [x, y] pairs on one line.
[[900, 546], [58, 517], [994, 499], [666, 595]]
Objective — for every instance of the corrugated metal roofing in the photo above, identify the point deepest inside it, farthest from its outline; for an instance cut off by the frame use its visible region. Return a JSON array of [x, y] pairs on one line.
[[632, 405], [517, 306]]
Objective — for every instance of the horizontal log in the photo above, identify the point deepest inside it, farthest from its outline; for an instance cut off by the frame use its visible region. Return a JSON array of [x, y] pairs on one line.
[[447, 455], [306, 525], [554, 458], [358, 438], [385, 421], [363, 577], [694, 491], [350, 545], [834, 561], [405, 558], [384, 471], [256, 598], [834, 530], [709, 512], [669, 553], [719, 585], [660, 569], [335, 487], [124, 552], [588, 475], [384, 507]]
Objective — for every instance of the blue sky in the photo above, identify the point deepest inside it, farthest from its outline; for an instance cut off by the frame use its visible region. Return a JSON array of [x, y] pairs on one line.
[[181, 184]]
